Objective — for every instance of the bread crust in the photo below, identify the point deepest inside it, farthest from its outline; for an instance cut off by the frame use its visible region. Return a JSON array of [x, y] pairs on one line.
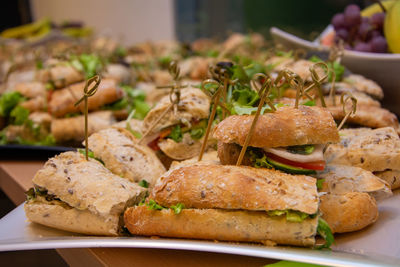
[[287, 126], [390, 176], [121, 154], [68, 129], [341, 179], [370, 149], [214, 224], [87, 185], [349, 212], [194, 104], [233, 187], [63, 101], [368, 116], [70, 219]]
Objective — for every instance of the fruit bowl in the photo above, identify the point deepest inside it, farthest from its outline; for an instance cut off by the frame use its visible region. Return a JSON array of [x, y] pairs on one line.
[[380, 67]]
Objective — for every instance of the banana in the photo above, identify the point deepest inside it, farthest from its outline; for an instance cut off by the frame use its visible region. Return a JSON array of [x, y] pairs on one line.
[[391, 28], [375, 8]]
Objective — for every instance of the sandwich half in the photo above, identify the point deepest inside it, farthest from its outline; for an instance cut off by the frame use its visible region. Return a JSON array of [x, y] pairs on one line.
[[289, 139], [80, 196], [230, 203]]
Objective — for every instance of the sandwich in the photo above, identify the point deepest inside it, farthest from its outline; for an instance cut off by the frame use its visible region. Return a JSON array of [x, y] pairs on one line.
[[117, 148], [289, 139], [230, 203], [72, 129], [80, 196], [179, 134], [63, 101], [374, 150]]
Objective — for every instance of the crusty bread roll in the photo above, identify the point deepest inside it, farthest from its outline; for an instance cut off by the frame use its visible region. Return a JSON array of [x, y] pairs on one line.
[[121, 154], [368, 116], [233, 187], [390, 176], [370, 149], [73, 129], [341, 179], [215, 224], [69, 219], [63, 101], [87, 184], [348, 212], [287, 126], [194, 104], [80, 196], [60, 75]]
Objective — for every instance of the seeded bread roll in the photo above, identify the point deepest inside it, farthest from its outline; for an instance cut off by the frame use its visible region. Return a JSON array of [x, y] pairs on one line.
[[368, 116], [194, 104], [341, 179], [233, 187], [121, 154], [287, 126], [60, 75], [390, 176], [87, 185], [349, 212], [215, 224], [73, 129], [63, 101], [72, 220], [372, 150]]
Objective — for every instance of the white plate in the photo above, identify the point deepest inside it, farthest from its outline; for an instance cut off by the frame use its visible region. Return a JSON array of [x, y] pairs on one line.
[[378, 245]]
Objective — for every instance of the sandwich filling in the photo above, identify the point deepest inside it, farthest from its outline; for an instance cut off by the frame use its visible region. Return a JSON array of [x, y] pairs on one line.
[[196, 128], [303, 159]]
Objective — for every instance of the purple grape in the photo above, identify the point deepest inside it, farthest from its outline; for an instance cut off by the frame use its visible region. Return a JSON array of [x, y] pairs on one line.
[[342, 34], [365, 20], [362, 47], [338, 21], [375, 33], [377, 20], [352, 16], [364, 31], [379, 44]]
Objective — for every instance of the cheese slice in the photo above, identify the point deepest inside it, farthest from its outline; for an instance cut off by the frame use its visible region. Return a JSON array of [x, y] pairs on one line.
[[316, 155]]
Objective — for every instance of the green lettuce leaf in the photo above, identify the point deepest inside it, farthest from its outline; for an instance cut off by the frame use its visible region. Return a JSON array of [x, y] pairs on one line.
[[337, 68], [177, 208], [19, 115], [291, 215], [325, 232], [8, 101], [144, 183], [176, 134]]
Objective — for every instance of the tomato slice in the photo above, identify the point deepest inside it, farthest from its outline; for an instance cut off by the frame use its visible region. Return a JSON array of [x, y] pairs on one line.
[[315, 165], [154, 144]]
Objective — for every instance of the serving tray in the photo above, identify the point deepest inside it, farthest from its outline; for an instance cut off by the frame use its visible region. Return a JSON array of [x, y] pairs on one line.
[[377, 245]]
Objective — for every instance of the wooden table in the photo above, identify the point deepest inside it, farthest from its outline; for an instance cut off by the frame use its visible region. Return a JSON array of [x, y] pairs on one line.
[[15, 179]]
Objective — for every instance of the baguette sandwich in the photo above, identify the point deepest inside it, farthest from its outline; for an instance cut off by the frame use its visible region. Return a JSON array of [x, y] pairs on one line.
[[121, 154], [80, 196], [179, 134], [230, 203], [288, 139], [374, 150]]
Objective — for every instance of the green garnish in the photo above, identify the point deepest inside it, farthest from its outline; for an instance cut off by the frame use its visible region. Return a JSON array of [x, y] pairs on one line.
[[325, 232], [176, 134], [8, 101], [19, 115], [144, 183], [337, 68], [302, 150], [309, 103], [291, 215], [152, 205], [197, 133], [320, 183], [90, 155], [177, 208], [262, 163], [89, 64]]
